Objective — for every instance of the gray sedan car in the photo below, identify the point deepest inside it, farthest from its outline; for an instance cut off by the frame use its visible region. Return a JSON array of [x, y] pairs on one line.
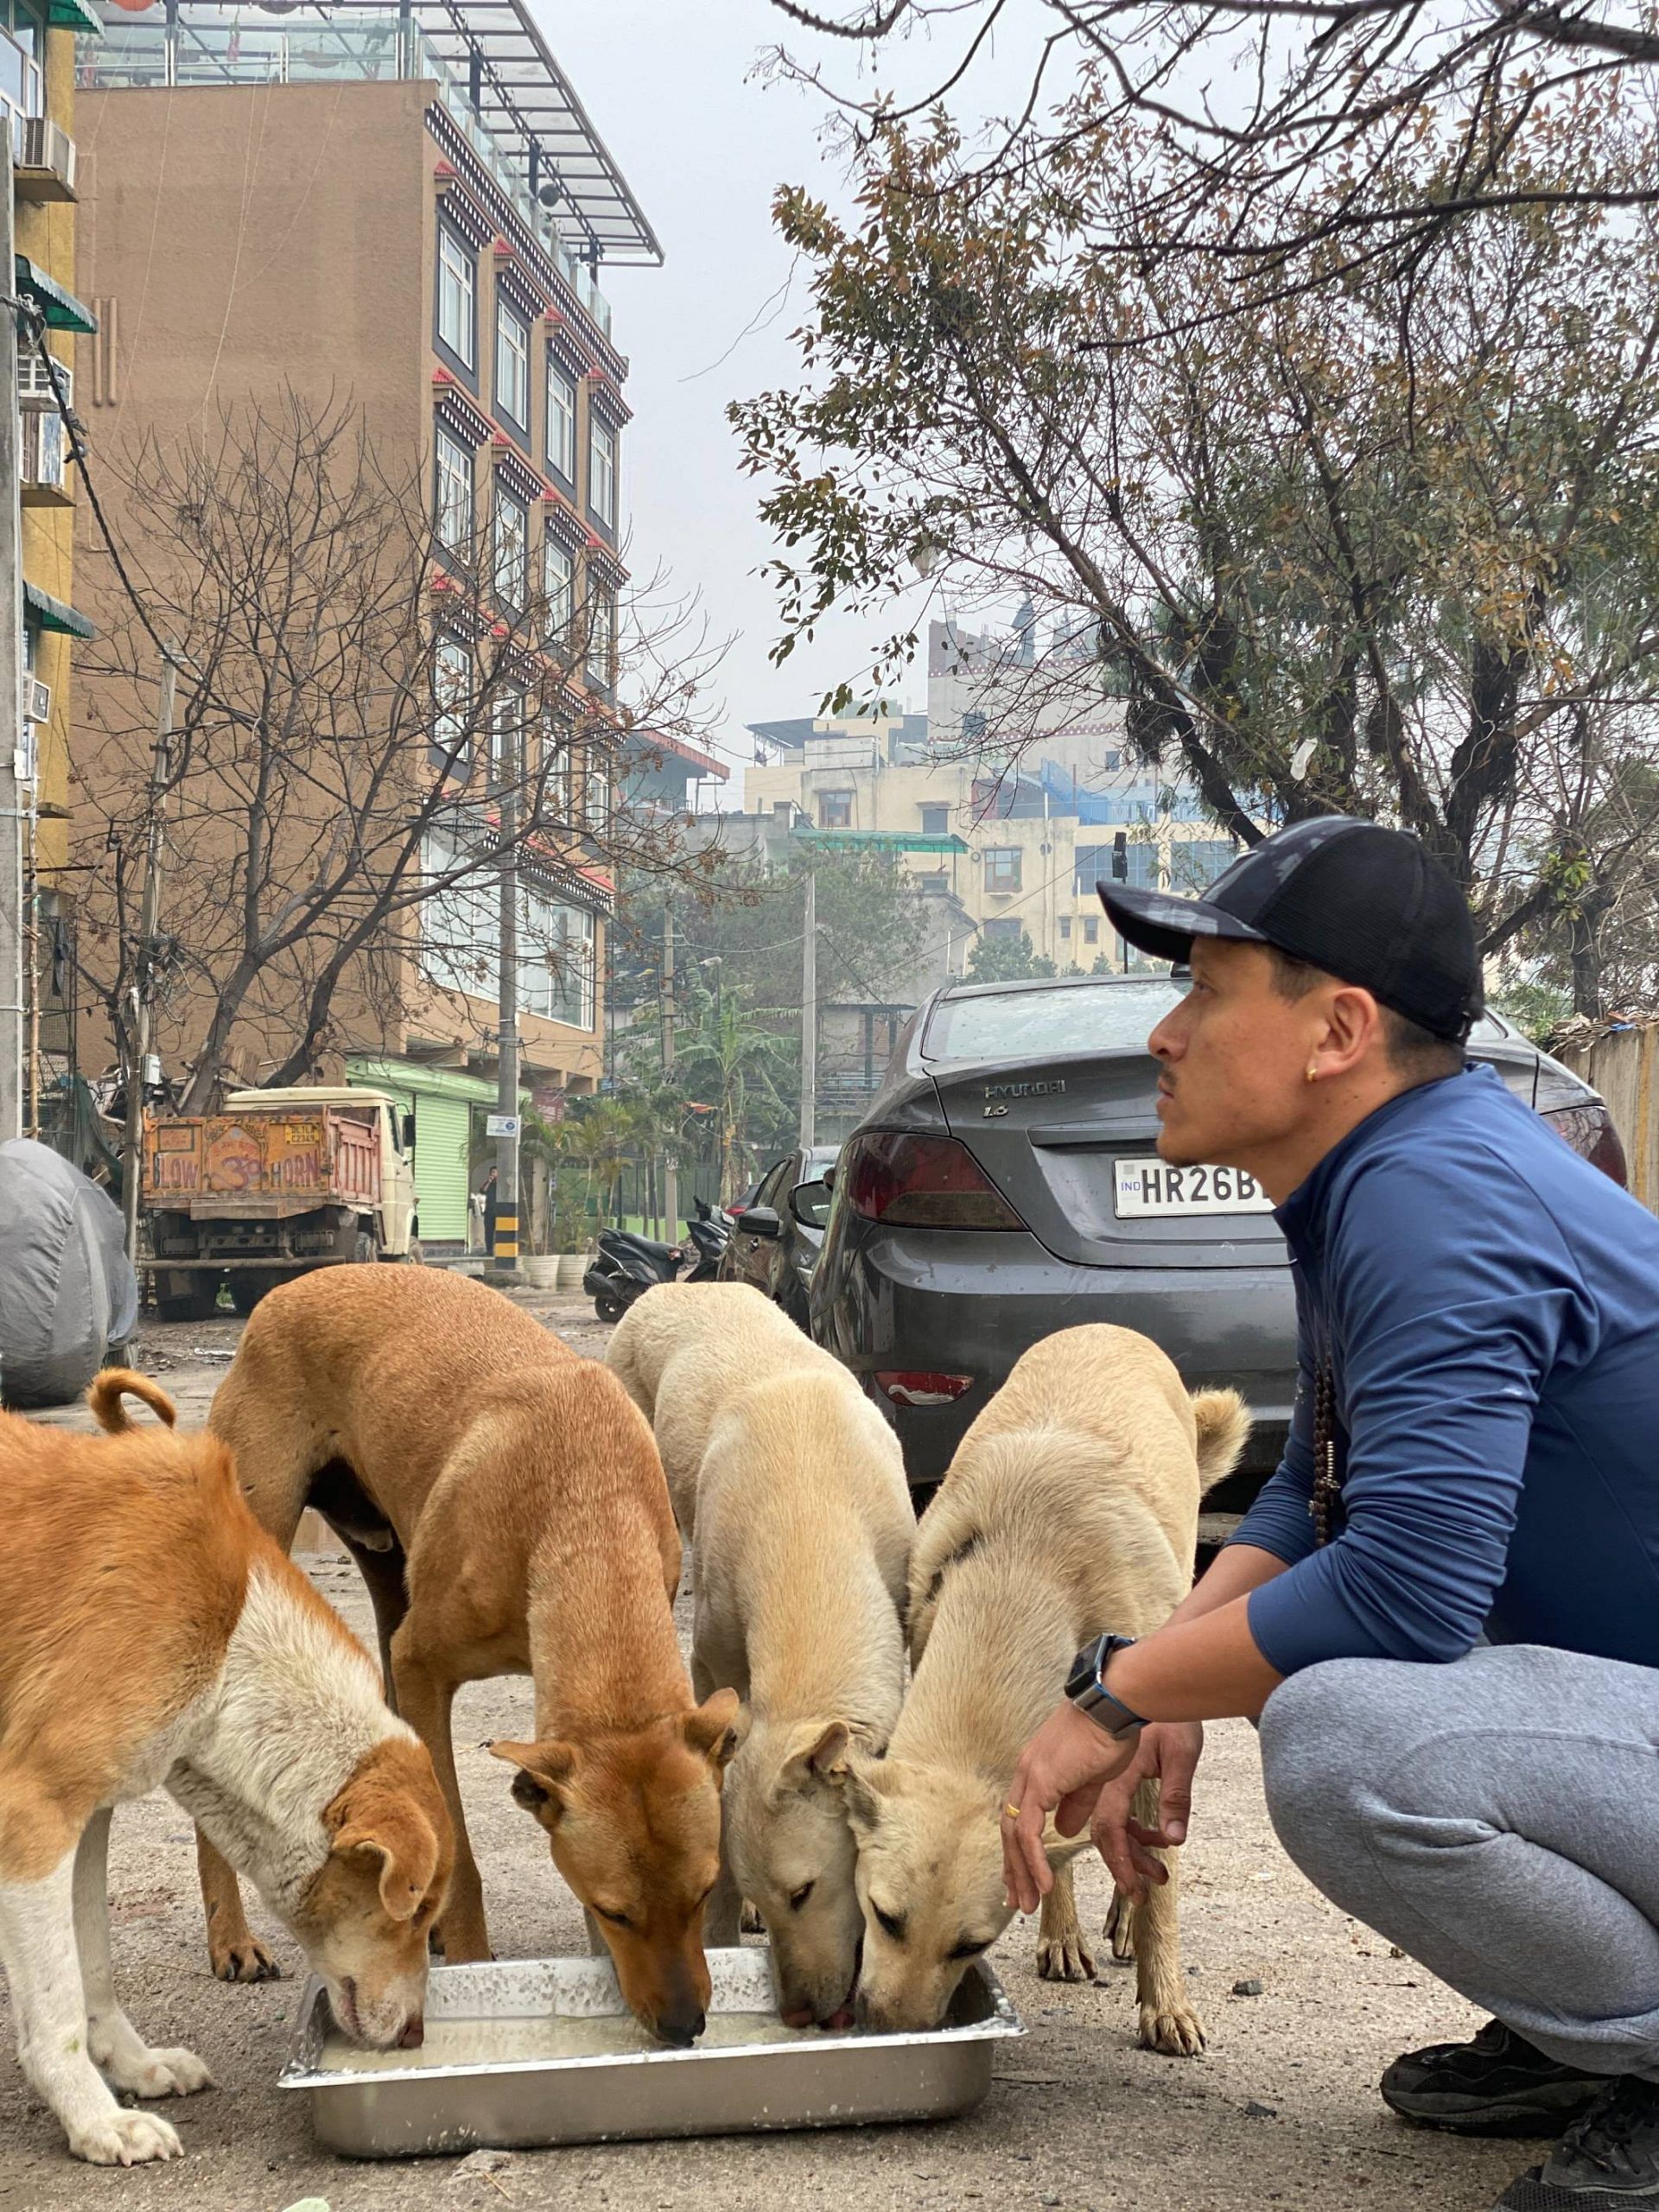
[[1005, 1184]]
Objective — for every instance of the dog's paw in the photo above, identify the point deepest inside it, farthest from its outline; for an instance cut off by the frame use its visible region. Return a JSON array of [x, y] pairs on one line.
[[1119, 1929], [125, 2139], [244, 1959], [752, 1923], [156, 2072], [1064, 1958], [1173, 2029]]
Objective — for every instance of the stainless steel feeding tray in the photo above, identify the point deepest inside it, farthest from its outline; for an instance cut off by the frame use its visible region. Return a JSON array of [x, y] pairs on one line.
[[529, 2051]]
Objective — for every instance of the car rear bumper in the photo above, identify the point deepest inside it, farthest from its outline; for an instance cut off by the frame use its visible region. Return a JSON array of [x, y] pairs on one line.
[[957, 1302]]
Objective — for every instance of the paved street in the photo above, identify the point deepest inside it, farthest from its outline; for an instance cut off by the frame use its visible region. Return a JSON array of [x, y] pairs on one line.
[[1281, 2108]]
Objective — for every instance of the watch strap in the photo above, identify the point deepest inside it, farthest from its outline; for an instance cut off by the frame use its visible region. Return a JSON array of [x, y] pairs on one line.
[[1087, 1688]]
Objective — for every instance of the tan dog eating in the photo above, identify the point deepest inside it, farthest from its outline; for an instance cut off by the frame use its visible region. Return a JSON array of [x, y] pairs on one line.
[[433, 1422], [1069, 1509], [152, 1635], [795, 1486]]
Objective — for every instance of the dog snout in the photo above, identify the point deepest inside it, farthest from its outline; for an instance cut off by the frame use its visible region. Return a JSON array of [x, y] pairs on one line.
[[413, 2034], [799, 2016], [681, 2027]]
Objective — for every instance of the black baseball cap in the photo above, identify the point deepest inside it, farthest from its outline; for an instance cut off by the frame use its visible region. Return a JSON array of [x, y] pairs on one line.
[[1366, 904]]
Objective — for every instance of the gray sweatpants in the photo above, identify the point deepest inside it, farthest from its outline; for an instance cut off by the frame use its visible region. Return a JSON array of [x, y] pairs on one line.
[[1498, 1819]]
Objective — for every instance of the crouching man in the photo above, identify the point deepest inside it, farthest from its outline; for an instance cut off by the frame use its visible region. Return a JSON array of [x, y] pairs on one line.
[[1445, 1606]]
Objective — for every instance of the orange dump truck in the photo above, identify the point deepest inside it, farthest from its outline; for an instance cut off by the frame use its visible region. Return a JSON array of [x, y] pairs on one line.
[[281, 1181]]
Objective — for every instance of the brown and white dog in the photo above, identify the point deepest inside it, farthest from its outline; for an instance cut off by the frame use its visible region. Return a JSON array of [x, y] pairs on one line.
[[152, 1635], [449, 1437], [795, 1488], [1069, 1509]]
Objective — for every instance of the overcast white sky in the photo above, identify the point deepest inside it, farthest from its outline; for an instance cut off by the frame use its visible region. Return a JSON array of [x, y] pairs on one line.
[[670, 87]]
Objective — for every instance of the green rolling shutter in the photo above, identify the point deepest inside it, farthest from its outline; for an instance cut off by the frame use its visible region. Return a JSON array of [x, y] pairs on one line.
[[442, 1134]]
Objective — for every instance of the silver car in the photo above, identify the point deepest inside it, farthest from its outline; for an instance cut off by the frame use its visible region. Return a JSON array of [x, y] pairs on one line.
[[1005, 1184]]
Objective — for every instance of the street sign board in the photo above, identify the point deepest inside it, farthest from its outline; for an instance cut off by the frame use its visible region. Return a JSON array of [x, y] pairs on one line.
[[501, 1125]]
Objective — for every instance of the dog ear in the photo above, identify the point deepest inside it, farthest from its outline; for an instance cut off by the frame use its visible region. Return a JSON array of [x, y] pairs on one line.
[[860, 1783], [817, 1748], [713, 1730], [545, 1771], [398, 1834]]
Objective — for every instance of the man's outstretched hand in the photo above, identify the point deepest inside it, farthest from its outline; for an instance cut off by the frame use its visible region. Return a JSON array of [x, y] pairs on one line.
[[1061, 1771], [1168, 1753]]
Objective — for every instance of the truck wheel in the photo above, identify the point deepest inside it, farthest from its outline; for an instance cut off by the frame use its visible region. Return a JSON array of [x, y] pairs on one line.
[[365, 1251], [182, 1297]]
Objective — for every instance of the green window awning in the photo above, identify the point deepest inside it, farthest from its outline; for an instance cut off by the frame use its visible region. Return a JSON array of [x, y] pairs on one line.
[[881, 840], [49, 613], [75, 15], [62, 310]]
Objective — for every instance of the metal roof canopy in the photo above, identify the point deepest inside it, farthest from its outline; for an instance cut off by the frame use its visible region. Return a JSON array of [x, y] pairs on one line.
[[525, 99]]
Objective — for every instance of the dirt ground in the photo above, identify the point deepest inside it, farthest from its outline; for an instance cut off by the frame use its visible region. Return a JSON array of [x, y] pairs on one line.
[[1281, 2109]]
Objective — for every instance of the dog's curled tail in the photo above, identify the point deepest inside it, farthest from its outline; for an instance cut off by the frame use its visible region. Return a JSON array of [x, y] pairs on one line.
[[117, 1383], [1225, 1423]]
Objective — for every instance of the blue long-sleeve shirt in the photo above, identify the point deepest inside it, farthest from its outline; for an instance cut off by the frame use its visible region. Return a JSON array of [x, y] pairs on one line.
[[1490, 1303]]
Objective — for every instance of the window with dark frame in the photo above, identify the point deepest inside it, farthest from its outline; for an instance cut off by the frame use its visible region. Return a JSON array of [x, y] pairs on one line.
[[936, 822], [601, 470], [457, 296], [561, 420], [1002, 868], [602, 637], [454, 520], [835, 810], [511, 550], [513, 366], [451, 750], [558, 588]]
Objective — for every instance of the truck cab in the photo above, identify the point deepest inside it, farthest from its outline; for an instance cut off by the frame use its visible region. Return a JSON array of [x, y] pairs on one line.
[[395, 1214]]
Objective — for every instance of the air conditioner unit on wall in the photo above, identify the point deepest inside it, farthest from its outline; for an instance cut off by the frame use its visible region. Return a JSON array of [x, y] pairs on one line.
[[45, 157], [37, 700], [42, 451], [34, 385]]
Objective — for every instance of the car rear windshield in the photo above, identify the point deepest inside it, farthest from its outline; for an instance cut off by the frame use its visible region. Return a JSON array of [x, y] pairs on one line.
[[1091, 1017]]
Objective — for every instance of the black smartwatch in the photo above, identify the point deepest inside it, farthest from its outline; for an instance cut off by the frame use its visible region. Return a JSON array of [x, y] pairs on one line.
[[1086, 1687]]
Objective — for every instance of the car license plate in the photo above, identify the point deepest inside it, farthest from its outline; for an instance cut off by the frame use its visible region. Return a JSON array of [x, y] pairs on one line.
[[1148, 1188]]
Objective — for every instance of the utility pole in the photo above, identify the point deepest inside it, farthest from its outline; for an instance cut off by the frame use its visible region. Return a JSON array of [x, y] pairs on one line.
[[143, 958], [505, 1258], [671, 1160], [14, 814], [809, 1018]]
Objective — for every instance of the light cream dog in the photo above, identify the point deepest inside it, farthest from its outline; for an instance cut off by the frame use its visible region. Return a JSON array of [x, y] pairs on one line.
[[1070, 1509], [151, 1634], [794, 1487]]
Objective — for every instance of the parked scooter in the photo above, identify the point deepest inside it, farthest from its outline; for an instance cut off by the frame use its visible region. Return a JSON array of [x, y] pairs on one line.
[[628, 1266], [710, 1229], [625, 1267]]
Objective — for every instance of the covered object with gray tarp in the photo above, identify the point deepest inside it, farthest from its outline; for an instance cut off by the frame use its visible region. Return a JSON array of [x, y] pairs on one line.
[[67, 1290]]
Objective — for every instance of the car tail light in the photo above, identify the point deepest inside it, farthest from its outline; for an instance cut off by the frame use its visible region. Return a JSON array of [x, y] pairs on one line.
[[1589, 1129], [915, 1386], [923, 1183]]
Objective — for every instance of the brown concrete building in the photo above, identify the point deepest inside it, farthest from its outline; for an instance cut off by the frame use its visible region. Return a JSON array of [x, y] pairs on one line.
[[408, 207]]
